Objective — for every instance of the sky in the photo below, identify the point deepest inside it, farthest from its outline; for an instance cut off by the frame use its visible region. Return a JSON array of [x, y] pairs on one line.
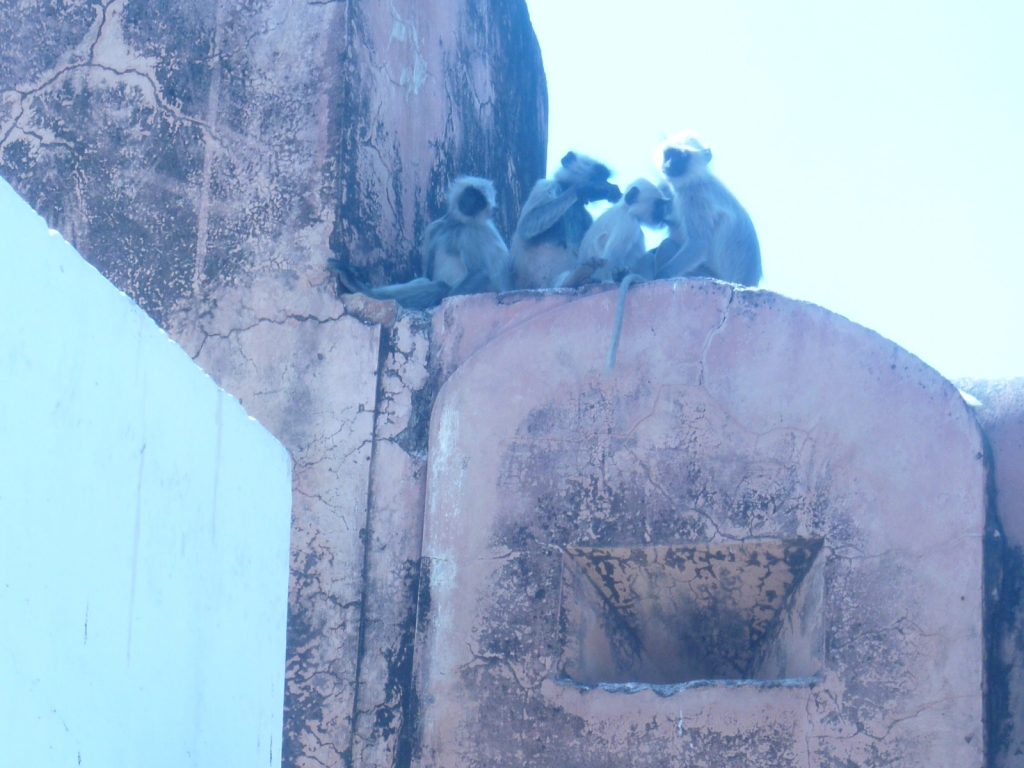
[[878, 146]]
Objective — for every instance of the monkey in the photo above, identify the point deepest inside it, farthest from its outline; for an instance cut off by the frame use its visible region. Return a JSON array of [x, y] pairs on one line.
[[615, 245], [615, 242], [463, 252], [554, 220], [710, 233]]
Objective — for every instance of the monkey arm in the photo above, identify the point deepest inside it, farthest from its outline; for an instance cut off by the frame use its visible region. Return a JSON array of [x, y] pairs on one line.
[[664, 255], [433, 240], [544, 207], [483, 253], [676, 261]]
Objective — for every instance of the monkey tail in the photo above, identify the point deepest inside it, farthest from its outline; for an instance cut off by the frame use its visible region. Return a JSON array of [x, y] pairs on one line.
[[627, 281], [348, 281]]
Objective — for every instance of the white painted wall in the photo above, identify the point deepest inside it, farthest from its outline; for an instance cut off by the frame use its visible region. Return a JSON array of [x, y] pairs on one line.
[[144, 528]]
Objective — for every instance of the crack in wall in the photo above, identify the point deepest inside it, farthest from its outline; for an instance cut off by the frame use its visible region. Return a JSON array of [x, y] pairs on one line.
[[714, 332], [105, 48]]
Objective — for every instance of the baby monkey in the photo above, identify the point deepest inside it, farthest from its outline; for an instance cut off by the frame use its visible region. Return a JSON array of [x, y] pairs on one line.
[[615, 245], [462, 253]]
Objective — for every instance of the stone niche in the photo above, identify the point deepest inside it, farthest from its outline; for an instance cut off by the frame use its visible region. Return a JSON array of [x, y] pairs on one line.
[[757, 541], [676, 614]]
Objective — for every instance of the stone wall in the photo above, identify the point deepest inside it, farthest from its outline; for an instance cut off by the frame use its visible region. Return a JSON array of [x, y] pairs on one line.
[[209, 158], [758, 540], [190, 149], [867, 488], [1000, 412]]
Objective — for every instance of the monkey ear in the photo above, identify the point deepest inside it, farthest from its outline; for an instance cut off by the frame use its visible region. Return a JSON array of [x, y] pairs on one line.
[[632, 194], [569, 159], [707, 155]]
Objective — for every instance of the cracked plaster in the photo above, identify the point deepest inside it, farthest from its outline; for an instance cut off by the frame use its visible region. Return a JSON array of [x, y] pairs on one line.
[[731, 416]]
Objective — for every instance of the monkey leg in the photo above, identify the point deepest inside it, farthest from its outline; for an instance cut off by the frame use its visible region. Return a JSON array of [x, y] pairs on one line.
[[580, 275], [473, 282]]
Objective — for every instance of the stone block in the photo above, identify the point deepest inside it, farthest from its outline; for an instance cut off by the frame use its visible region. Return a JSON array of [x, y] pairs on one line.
[[312, 381], [804, 496], [1000, 412], [393, 535]]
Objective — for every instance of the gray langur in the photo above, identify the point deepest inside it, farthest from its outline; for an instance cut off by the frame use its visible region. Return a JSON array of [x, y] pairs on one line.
[[554, 220], [462, 253], [615, 244], [710, 234]]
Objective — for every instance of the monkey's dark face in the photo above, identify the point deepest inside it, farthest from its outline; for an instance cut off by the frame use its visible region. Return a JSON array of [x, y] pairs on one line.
[[599, 190], [676, 163], [599, 173], [680, 162], [471, 202]]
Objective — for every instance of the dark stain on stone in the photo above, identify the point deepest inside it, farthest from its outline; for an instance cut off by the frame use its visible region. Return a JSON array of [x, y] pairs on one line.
[[305, 704], [398, 687], [413, 439], [407, 748], [47, 28], [504, 140], [1003, 621]]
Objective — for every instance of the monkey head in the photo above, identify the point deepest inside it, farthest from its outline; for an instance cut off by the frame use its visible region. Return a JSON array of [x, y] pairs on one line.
[[647, 203], [683, 155], [471, 198], [589, 178], [577, 168]]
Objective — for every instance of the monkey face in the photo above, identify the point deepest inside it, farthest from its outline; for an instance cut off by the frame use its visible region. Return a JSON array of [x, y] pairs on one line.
[[600, 173], [599, 190], [611, 193], [647, 203], [677, 162], [471, 198], [471, 202], [587, 175]]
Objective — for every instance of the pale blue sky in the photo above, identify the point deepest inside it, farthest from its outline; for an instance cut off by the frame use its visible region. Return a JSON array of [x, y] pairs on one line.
[[878, 146]]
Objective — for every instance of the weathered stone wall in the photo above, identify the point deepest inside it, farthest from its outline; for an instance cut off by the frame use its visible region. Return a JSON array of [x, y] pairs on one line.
[[798, 498], [1001, 416], [208, 158], [187, 147]]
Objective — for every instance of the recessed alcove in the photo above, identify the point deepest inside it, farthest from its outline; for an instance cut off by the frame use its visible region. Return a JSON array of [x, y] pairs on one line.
[[668, 615]]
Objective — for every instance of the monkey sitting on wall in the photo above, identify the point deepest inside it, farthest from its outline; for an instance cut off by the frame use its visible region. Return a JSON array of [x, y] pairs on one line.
[[710, 234], [463, 253], [554, 220], [615, 243]]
